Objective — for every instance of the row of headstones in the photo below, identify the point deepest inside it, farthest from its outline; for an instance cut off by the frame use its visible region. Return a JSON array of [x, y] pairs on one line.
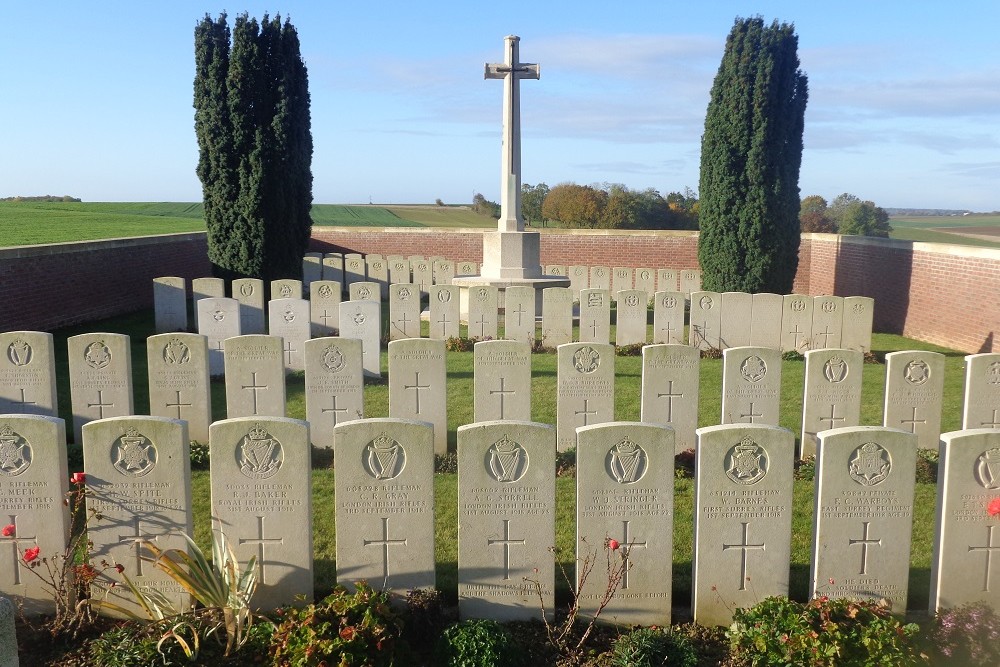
[[138, 487], [791, 322], [179, 370]]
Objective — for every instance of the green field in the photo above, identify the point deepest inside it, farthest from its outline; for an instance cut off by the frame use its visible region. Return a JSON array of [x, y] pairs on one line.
[[933, 229], [443, 216]]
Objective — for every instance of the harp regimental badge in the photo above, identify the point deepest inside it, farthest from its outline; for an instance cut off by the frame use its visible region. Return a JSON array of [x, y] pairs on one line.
[[176, 352], [333, 359], [626, 462], [444, 295], [259, 454], [870, 464], [507, 460], [19, 353], [987, 470], [746, 462], [835, 369], [586, 360], [384, 458], [753, 369], [97, 355], [993, 373], [133, 454], [15, 452], [246, 289]]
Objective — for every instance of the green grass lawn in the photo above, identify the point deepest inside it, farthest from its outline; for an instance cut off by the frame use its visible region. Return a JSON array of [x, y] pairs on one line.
[[933, 229], [443, 216], [628, 377]]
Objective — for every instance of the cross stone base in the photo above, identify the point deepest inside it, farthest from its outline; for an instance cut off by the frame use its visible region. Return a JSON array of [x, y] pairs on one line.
[[540, 283], [511, 255]]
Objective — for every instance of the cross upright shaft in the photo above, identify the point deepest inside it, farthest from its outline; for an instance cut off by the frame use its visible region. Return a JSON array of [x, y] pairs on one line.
[[511, 71]]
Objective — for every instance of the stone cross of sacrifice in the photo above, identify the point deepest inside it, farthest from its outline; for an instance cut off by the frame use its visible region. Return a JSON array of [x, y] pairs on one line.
[[511, 71]]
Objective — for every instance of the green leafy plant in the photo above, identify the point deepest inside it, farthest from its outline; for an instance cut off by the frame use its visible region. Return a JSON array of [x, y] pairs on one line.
[[805, 468], [684, 464], [199, 455], [632, 350], [476, 643], [651, 647], [458, 344], [359, 628], [967, 635], [779, 631], [927, 466]]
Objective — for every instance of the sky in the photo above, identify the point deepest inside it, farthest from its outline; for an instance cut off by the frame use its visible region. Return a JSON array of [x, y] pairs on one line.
[[904, 97]]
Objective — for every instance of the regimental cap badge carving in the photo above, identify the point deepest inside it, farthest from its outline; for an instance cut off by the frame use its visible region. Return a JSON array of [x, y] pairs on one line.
[[632, 300], [870, 464], [133, 454], [246, 289], [669, 301], [993, 373], [595, 299], [917, 372], [383, 458], [586, 360], [746, 462], [288, 316], [219, 315], [987, 469], [19, 353], [15, 452], [626, 462], [444, 295], [325, 291], [706, 303], [97, 355], [259, 454], [403, 293], [364, 292], [286, 290], [753, 369], [333, 359], [176, 352], [835, 369], [507, 460]]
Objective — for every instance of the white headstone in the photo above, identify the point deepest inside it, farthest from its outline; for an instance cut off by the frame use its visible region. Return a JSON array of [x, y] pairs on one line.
[[668, 318], [354, 269], [385, 504], [735, 320], [751, 385], [645, 280], [595, 316], [966, 528], [417, 385], [981, 404], [255, 376], [579, 279], [742, 519], [207, 288], [859, 312], [705, 319], [864, 514], [262, 503], [333, 268], [585, 389], [914, 385], [27, 373], [170, 304], [33, 481], [666, 280], [139, 482], [404, 311], [483, 312], [828, 321], [364, 290], [399, 271], [177, 367], [765, 320], [324, 308], [832, 397], [502, 372], [286, 288], [670, 380], [467, 268], [557, 316], [625, 492], [290, 319], [690, 281], [334, 386], [218, 319], [506, 518], [312, 268], [444, 271], [250, 294], [445, 312], [378, 273], [630, 327], [362, 320], [555, 270], [519, 314], [423, 274], [600, 277], [621, 279], [796, 323], [100, 378]]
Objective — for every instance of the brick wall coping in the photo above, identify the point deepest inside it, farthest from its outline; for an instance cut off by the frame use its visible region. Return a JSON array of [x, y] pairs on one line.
[[44, 249], [916, 246]]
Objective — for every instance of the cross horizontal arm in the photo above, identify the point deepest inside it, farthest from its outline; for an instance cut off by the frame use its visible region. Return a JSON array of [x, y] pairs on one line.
[[521, 71]]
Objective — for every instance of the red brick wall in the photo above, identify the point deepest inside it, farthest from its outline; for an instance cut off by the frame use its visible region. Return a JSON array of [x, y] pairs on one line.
[[49, 286]]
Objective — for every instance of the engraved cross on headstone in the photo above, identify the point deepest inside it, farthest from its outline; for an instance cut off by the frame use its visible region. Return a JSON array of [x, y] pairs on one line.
[[136, 538], [670, 396], [14, 540], [796, 333], [586, 412], [744, 546], [506, 542], [288, 351], [502, 392], [23, 402], [670, 330], [444, 322], [404, 318], [993, 424], [254, 386], [752, 415], [416, 388], [865, 541], [100, 405], [177, 404], [385, 543], [628, 543], [989, 548], [334, 410], [261, 542], [511, 71], [913, 421], [833, 418], [826, 333], [520, 311]]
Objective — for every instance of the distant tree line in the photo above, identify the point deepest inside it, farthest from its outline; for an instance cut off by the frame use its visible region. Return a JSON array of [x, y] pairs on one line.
[[846, 214], [606, 206], [42, 198]]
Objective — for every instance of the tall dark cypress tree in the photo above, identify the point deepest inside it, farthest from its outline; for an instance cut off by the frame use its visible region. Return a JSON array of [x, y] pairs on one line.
[[750, 157], [255, 145]]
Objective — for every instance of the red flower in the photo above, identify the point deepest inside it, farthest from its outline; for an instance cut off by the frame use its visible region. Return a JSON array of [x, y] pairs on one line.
[[31, 554], [8, 530], [613, 545], [78, 478], [994, 507], [120, 568], [347, 633]]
